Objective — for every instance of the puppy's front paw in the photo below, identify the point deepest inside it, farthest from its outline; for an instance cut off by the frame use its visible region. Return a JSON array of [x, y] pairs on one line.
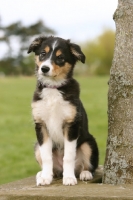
[[43, 180], [69, 181], [86, 175]]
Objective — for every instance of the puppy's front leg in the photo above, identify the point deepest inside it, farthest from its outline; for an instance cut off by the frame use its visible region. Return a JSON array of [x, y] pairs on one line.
[[45, 147], [69, 162]]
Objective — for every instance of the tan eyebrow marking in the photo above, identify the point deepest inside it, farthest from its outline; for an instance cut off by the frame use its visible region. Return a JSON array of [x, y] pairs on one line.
[[58, 53], [47, 49]]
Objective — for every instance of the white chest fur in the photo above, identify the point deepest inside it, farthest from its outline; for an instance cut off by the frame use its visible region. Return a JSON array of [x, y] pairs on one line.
[[53, 111]]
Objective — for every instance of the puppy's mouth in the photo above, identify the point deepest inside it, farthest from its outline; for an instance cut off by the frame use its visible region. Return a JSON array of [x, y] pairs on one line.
[[50, 75]]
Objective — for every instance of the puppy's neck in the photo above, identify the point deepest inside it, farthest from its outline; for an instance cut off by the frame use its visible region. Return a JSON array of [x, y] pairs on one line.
[[53, 85]]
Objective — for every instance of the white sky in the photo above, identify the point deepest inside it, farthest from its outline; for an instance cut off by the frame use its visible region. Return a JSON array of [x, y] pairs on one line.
[[77, 20]]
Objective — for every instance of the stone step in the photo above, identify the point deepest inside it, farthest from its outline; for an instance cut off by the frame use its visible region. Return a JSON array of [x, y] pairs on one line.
[[26, 189]]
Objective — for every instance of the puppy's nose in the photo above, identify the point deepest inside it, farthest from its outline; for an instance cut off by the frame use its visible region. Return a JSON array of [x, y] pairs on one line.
[[45, 69]]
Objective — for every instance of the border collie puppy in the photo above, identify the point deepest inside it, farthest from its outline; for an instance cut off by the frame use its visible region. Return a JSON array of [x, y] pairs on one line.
[[65, 146]]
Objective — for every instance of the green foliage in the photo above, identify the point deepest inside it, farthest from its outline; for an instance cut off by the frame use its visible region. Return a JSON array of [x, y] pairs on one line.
[[17, 135], [19, 66], [20, 63], [23, 33], [99, 53]]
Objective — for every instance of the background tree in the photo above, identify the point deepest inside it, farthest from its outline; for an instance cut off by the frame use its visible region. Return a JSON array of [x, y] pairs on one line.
[[118, 167]]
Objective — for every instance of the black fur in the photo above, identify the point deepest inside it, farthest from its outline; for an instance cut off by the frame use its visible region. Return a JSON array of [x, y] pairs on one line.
[[38, 128]]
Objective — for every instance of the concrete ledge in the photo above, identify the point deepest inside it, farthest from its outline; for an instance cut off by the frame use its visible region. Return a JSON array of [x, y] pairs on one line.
[[88, 190]]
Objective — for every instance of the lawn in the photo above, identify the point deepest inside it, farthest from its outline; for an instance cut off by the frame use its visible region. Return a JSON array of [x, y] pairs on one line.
[[17, 136]]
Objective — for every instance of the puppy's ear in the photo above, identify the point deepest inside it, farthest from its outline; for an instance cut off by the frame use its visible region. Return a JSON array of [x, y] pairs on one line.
[[36, 43], [76, 51]]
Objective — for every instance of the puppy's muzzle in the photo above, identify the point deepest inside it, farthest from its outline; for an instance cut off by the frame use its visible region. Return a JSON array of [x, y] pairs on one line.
[[45, 69]]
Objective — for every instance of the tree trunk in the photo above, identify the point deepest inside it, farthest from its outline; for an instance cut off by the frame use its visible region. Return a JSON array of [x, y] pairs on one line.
[[118, 168]]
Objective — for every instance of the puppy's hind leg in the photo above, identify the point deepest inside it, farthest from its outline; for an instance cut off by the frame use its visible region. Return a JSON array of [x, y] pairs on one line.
[[84, 167]]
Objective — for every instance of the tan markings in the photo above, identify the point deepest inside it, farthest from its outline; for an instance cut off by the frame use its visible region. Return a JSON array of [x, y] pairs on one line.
[[86, 150], [35, 112], [36, 42], [82, 161], [74, 52], [70, 118], [45, 133], [37, 155], [37, 61], [47, 49], [58, 53], [73, 112], [61, 72], [65, 131]]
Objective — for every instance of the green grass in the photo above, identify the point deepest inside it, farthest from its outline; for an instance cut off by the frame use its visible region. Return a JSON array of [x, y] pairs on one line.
[[17, 136]]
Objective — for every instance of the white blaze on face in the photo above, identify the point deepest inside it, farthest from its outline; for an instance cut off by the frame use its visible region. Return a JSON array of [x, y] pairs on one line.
[[48, 62]]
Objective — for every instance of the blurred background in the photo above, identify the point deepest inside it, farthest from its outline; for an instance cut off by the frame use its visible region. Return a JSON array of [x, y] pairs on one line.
[[88, 23]]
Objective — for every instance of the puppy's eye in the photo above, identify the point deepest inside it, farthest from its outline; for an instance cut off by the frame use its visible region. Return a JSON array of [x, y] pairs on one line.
[[43, 53], [60, 57]]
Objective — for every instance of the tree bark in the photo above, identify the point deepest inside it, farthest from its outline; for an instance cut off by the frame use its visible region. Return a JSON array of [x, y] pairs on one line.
[[118, 167]]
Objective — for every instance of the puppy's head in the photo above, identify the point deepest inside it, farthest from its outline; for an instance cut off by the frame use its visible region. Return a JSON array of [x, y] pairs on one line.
[[55, 57]]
